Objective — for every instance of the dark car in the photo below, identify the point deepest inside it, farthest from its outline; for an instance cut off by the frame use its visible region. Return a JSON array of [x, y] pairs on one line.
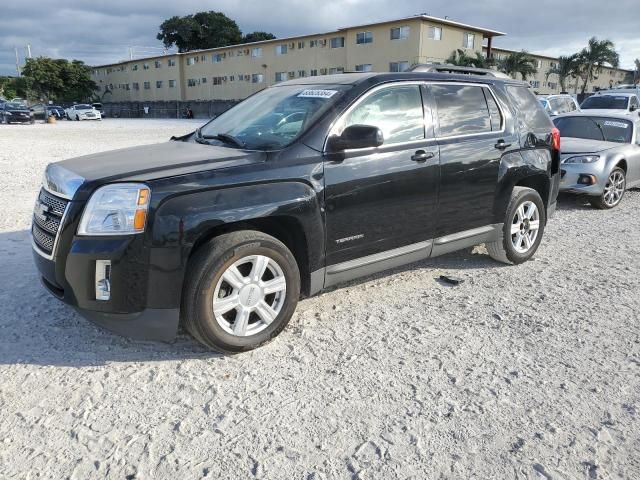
[[302, 186], [13, 112], [39, 110]]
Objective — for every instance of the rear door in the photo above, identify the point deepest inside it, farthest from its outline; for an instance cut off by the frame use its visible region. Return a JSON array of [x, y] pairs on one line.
[[470, 130]]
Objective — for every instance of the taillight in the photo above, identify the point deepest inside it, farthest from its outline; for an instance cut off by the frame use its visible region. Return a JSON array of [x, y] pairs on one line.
[[555, 139]]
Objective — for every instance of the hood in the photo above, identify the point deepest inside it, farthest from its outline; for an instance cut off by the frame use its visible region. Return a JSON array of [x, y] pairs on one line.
[[581, 145], [145, 163]]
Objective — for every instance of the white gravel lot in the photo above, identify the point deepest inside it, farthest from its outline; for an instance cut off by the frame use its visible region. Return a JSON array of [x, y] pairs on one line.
[[519, 372]]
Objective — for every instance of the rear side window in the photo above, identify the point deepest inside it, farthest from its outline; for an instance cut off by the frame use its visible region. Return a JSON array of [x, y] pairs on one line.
[[530, 114], [463, 110]]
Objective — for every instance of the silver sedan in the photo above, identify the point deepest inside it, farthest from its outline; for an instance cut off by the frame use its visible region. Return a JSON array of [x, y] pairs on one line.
[[600, 155]]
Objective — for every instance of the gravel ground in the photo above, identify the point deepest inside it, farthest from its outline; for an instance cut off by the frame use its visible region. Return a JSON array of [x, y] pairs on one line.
[[519, 372]]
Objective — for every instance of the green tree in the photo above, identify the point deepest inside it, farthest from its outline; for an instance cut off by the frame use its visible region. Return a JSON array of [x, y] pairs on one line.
[[518, 62], [593, 57], [460, 58], [257, 37], [57, 79], [199, 31], [45, 75], [565, 68]]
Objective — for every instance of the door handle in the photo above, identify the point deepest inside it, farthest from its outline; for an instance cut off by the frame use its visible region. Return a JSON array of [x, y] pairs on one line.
[[422, 156], [501, 145]]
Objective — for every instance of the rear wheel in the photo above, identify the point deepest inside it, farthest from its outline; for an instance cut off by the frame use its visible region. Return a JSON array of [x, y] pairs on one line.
[[241, 291], [613, 191], [523, 228]]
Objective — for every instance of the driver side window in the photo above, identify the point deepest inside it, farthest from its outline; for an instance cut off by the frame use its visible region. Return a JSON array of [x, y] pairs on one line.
[[396, 110]]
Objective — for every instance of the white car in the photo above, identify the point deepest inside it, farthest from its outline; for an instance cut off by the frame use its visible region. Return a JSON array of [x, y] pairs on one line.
[[82, 111], [611, 102]]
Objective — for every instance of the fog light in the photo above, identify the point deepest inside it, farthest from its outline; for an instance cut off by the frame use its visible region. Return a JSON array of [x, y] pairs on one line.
[[103, 279], [587, 180]]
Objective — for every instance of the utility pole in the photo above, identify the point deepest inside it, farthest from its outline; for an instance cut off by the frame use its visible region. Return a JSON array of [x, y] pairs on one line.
[[28, 50], [17, 62], [130, 53]]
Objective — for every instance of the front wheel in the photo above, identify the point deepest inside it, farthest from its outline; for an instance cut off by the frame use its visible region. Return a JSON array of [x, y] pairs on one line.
[[613, 191], [241, 291], [523, 228]]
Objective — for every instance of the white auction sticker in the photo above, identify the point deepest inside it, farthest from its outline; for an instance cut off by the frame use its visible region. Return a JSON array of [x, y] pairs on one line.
[[609, 123], [317, 93]]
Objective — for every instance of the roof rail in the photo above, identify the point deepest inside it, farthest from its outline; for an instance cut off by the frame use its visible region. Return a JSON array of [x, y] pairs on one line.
[[448, 68]]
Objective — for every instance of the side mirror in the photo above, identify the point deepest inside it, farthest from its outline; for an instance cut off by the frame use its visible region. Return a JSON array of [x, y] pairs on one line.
[[356, 136], [633, 108]]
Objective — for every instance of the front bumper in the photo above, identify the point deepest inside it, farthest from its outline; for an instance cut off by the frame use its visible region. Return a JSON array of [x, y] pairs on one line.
[[571, 174], [19, 119], [70, 277]]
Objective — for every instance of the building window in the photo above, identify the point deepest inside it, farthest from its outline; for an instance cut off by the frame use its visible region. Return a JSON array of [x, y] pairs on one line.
[[535, 83], [398, 66], [313, 72], [171, 63], [217, 80], [191, 82], [337, 42], [313, 43], [257, 78], [136, 86], [469, 40], [300, 45], [204, 80], [302, 73], [217, 58], [158, 83], [134, 68], [172, 83], [400, 33], [147, 85], [281, 49], [256, 52], [192, 60], [145, 66], [364, 67], [435, 33], [281, 76], [158, 64], [335, 70], [364, 37], [539, 63], [203, 58]]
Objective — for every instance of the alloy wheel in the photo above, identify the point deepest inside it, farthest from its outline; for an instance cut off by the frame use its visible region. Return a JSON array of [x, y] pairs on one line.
[[249, 295], [525, 226], [614, 188]]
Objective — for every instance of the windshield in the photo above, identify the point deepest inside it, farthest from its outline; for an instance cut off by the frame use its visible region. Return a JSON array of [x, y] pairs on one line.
[[83, 107], [274, 117], [595, 128], [605, 101], [14, 106]]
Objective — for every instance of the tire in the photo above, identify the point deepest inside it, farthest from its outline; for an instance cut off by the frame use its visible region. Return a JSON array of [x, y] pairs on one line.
[[207, 282], [519, 246], [77, 118], [613, 192]]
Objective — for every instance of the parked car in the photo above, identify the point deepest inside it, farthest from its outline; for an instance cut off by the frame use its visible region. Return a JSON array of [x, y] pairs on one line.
[[12, 112], [558, 104], [606, 102], [82, 111], [307, 184], [600, 156], [100, 108], [39, 110]]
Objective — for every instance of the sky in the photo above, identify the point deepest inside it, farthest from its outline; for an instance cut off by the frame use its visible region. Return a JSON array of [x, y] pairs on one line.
[[101, 32]]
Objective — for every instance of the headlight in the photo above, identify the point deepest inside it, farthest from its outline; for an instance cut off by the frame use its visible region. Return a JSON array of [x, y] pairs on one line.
[[118, 209], [583, 159]]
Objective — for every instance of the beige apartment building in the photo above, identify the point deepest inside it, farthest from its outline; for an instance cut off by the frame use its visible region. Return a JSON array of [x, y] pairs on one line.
[[235, 72], [545, 83]]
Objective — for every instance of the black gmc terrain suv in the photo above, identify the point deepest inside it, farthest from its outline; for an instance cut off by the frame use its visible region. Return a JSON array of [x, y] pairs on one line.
[[302, 186]]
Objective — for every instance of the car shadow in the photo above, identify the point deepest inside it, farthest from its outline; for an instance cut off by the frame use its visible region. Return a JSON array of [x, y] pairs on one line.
[[38, 329]]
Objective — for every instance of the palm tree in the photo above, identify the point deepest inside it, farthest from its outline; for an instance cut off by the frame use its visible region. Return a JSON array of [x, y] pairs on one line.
[[460, 58], [565, 68], [518, 62], [593, 57]]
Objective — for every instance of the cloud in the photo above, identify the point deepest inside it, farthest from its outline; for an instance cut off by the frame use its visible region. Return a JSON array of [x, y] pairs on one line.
[[102, 32]]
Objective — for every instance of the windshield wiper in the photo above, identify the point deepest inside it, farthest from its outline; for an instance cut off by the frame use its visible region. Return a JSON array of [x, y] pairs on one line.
[[224, 137]]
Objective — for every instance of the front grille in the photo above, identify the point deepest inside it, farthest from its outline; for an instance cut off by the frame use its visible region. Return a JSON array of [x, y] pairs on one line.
[[47, 217]]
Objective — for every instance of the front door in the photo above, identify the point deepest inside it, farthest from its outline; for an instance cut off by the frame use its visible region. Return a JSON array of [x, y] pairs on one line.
[[379, 199]]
